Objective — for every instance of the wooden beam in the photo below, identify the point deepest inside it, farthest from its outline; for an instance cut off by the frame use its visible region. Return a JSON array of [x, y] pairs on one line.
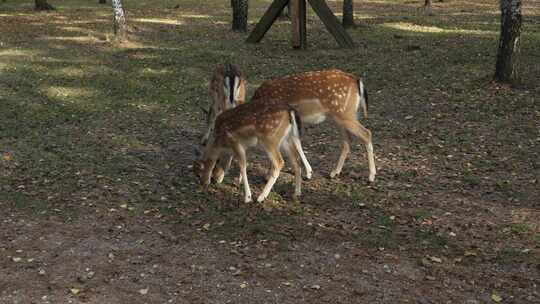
[[271, 14], [298, 18], [332, 23]]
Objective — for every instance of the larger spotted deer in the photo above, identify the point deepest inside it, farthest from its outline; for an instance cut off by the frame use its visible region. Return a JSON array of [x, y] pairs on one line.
[[327, 93], [271, 123]]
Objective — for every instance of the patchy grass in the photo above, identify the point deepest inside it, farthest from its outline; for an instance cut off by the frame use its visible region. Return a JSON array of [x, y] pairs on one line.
[[520, 228], [432, 240], [96, 147]]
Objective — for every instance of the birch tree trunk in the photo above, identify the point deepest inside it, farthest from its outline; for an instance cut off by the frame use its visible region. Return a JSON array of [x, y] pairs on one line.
[[348, 14], [119, 21], [240, 15], [42, 5], [509, 41]]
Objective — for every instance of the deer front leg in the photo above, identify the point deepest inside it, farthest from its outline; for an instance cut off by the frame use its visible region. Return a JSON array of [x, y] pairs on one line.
[[219, 174], [277, 165], [221, 169], [240, 154]]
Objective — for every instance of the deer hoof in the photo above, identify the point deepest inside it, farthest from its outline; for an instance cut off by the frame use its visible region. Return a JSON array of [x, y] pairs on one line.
[[219, 178]]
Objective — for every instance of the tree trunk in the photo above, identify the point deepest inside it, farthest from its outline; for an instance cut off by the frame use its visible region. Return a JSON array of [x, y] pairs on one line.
[[348, 14], [42, 5], [240, 15], [102, 1], [119, 21], [507, 56], [427, 7]]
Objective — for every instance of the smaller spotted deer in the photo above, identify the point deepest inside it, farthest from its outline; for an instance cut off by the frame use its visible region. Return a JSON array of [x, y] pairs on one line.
[[269, 122]]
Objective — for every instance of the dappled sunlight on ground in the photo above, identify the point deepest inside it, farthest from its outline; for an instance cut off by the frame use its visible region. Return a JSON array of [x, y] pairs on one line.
[[68, 94], [195, 16], [154, 72], [90, 22], [79, 39], [81, 30], [16, 52], [159, 21], [406, 26]]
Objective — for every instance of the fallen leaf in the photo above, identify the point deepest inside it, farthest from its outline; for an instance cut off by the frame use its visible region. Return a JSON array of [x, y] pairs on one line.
[[426, 263], [206, 227], [75, 291], [496, 298], [315, 287], [435, 259], [143, 291], [243, 285], [7, 157]]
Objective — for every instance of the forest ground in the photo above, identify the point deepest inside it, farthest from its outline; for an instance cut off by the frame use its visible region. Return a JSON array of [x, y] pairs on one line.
[[98, 203]]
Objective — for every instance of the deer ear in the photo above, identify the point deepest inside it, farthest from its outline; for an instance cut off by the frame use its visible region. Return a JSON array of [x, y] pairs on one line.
[[196, 152]]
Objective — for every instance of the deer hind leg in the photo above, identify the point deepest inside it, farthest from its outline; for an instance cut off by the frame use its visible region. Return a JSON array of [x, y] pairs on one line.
[[346, 148], [240, 154], [277, 165], [355, 128], [293, 154], [295, 141]]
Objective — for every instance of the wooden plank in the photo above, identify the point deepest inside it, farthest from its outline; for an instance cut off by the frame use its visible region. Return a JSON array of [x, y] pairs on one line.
[[271, 14], [298, 18], [332, 23]]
